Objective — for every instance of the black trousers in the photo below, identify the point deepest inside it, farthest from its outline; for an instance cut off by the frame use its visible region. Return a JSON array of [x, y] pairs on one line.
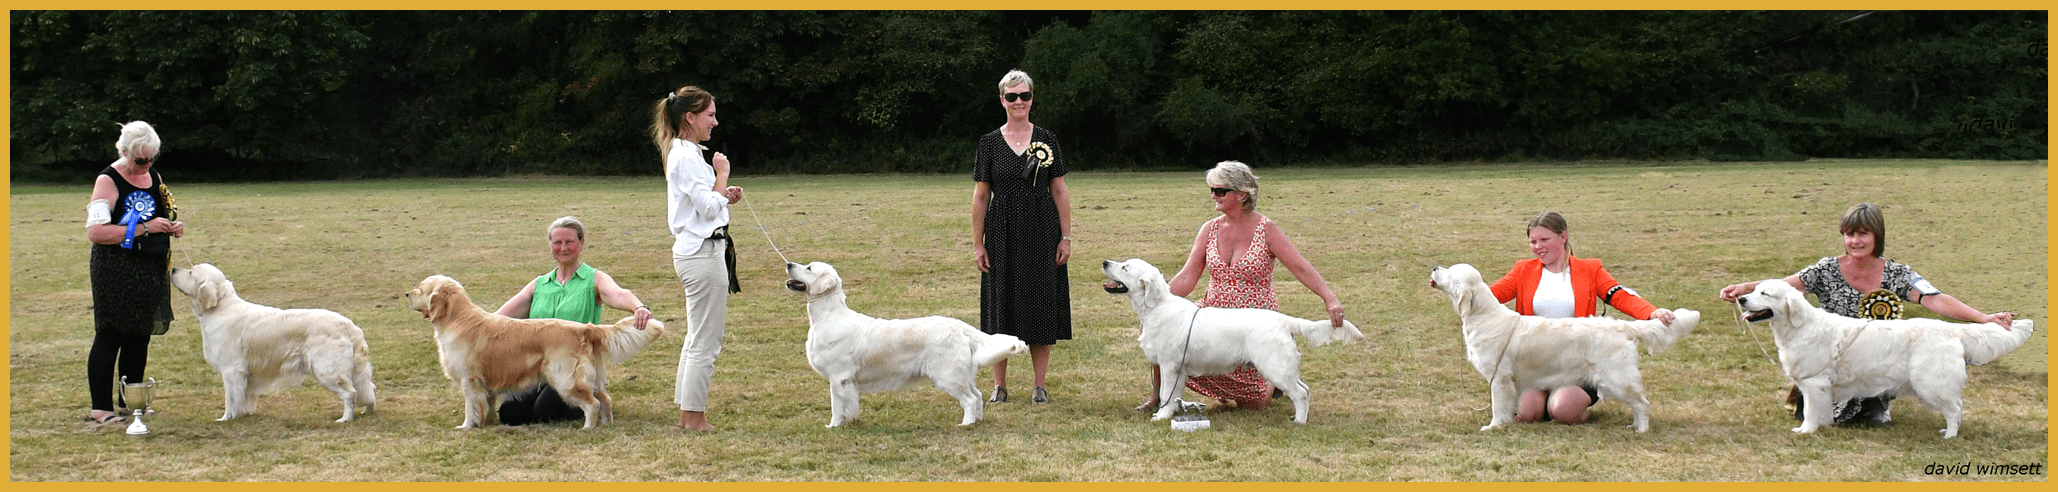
[[132, 351], [537, 405]]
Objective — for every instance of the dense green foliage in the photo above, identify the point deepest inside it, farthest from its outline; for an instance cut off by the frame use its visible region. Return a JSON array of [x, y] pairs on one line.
[[295, 95]]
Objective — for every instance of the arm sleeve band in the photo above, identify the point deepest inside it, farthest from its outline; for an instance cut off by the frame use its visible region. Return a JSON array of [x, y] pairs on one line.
[[97, 213]]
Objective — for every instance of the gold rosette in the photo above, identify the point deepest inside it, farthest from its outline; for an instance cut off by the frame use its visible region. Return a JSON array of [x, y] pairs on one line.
[[171, 206], [1040, 155], [1880, 304]]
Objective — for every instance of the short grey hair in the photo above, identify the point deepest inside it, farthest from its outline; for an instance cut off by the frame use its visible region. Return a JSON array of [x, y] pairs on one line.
[[137, 136], [566, 222], [1236, 176], [1016, 77]]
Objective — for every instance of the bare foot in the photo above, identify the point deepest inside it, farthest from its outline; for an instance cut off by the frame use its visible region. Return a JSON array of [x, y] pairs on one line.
[[694, 421]]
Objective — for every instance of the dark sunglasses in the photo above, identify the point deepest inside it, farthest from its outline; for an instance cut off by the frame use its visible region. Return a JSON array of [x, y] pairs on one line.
[[1220, 191], [143, 161], [1013, 96]]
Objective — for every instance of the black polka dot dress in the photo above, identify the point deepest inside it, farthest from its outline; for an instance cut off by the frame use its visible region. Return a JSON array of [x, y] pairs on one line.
[[1025, 293]]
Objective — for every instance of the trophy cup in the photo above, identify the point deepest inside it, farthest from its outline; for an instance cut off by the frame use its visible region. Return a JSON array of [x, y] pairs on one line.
[[137, 396]]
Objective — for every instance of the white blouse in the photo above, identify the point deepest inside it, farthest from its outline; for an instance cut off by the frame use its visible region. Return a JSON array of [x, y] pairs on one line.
[[1553, 298], [693, 209]]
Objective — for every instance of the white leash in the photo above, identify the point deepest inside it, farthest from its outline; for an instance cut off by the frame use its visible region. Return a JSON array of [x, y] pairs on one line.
[[761, 228], [1746, 327]]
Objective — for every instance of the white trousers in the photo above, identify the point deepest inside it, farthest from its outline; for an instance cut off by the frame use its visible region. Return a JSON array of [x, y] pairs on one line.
[[706, 280]]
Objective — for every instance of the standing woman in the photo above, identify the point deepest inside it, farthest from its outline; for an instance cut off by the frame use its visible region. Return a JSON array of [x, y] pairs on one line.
[[1022, 234], [130, 220], [697, 198], [1849, 283]]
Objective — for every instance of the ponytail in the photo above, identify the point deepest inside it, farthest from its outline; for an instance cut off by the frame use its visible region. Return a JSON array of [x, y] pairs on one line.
[[669, 111]]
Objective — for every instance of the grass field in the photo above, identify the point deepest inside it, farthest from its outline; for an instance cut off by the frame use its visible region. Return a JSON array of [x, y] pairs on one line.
[[1401, 405]]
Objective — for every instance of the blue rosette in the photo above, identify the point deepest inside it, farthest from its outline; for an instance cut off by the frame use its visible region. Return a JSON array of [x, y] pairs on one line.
[[137, 208]]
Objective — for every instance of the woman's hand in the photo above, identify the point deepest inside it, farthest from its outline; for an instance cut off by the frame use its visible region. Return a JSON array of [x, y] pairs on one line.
[[1335, 314], [1662, 315], [721, 164], [642, 316], [1064, 251], [2006, 320], [1730, 293], [979, 258], [734, 194]]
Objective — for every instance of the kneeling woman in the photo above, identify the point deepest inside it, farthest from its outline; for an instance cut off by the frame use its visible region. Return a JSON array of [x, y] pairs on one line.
[[573, 291], [1556, 285]]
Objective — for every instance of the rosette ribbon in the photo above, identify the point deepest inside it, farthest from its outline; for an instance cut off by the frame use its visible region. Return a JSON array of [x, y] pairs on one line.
[[136, 209], [1040, 157], [1880, 304]]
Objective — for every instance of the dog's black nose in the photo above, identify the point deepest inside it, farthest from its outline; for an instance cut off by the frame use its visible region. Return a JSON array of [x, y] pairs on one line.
[[1107, 262]]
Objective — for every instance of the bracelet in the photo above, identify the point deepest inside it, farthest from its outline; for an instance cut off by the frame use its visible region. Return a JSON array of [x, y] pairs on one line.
[[640, 306], [1064, 238]]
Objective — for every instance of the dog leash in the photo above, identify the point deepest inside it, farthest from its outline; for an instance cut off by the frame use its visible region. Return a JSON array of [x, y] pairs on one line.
[[761, 228], [1182, 357], [1746, 327]]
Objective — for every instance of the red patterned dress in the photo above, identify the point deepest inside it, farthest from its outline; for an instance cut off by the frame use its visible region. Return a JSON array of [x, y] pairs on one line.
[[1246, 283]]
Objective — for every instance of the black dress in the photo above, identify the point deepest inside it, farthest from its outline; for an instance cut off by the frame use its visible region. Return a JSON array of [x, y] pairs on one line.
[[1025, 293], [132, 286]]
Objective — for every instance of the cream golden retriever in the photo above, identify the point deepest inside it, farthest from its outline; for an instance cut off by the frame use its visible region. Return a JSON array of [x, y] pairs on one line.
[[1184, 339], [1833, 358], [487, 354], [1519, 353], [863, 354], [256, 348]]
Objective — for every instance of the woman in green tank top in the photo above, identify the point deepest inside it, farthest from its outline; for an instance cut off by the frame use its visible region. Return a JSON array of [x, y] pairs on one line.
[[573, 291]]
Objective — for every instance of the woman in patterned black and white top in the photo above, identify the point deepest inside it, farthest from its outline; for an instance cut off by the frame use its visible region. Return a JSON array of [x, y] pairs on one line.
[[1842, 282]]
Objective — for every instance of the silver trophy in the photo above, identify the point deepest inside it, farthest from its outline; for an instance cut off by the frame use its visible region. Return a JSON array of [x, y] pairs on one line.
[[137, 397]]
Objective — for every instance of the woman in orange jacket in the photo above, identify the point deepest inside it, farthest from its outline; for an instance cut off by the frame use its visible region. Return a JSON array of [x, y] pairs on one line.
[[1556, 285]]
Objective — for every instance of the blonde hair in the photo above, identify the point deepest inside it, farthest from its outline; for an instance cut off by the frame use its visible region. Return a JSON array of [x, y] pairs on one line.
[[1869, 218], [566, 222], [669, 111], [1015, 77], [1554, 222], [137, 136], [1236, 176]]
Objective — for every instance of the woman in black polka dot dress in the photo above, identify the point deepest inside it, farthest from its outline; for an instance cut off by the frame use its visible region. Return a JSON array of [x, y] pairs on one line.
[[1021, 235]]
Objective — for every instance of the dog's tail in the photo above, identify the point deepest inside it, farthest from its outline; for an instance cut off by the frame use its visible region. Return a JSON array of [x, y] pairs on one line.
[[1984, 343], [624, 340], [1318, 332], [1656, 338], [990, 349], [362, 375]]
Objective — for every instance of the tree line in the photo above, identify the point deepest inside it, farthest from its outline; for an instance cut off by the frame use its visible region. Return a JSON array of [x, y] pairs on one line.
[[323, 95]]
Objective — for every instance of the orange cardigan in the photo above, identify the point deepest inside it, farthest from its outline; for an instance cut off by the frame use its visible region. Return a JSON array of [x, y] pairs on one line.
[[1589, 281]]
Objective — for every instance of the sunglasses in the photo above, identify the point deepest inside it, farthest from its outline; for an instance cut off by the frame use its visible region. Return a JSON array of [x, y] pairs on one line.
[[1013, 96], [1220, 191], [143, 161]]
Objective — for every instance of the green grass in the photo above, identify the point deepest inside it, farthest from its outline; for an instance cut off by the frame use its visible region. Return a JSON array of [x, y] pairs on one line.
[[1401, 405]]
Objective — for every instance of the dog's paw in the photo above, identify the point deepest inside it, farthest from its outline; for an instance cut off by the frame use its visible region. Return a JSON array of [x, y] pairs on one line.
[[1803, 430], [344, 419], [1489, 427], [1947, 433]]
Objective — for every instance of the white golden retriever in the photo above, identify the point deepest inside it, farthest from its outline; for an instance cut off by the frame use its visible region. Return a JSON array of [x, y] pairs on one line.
[[1833, 358], [863, 354], [1210, 341], [487, 354], [1519, 353], [256, 348]]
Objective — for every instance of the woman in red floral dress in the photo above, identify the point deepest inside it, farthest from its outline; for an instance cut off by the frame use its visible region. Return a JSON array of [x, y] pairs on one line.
[[1237, 250]]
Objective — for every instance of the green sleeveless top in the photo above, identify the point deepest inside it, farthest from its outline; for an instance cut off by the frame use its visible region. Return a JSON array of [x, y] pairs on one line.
[[574, 300]]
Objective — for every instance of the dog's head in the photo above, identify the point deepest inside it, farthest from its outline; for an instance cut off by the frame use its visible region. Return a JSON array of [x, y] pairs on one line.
[[435, 296], [1773, 298], [1463, 285], [814, 280], [1136, 278], [205, 284]]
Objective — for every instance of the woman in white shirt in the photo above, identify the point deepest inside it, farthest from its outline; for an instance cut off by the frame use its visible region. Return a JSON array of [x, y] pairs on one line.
[[697, 198]]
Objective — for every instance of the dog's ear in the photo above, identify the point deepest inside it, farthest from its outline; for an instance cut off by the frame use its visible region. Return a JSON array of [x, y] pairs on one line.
[[824, 282], [439, 301], [209, 295], [1146, 287]]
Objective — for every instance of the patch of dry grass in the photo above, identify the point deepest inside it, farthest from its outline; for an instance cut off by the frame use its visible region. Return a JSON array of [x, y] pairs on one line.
[[1403, 405]]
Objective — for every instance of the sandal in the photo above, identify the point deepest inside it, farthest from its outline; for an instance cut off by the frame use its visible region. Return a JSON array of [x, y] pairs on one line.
[[1040, 397], [1000, 395], [105, 419]]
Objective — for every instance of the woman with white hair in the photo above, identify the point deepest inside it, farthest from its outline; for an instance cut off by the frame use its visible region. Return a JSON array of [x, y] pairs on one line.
[[1236, 250], [1022, 234], [573, 291], [130, 220]]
